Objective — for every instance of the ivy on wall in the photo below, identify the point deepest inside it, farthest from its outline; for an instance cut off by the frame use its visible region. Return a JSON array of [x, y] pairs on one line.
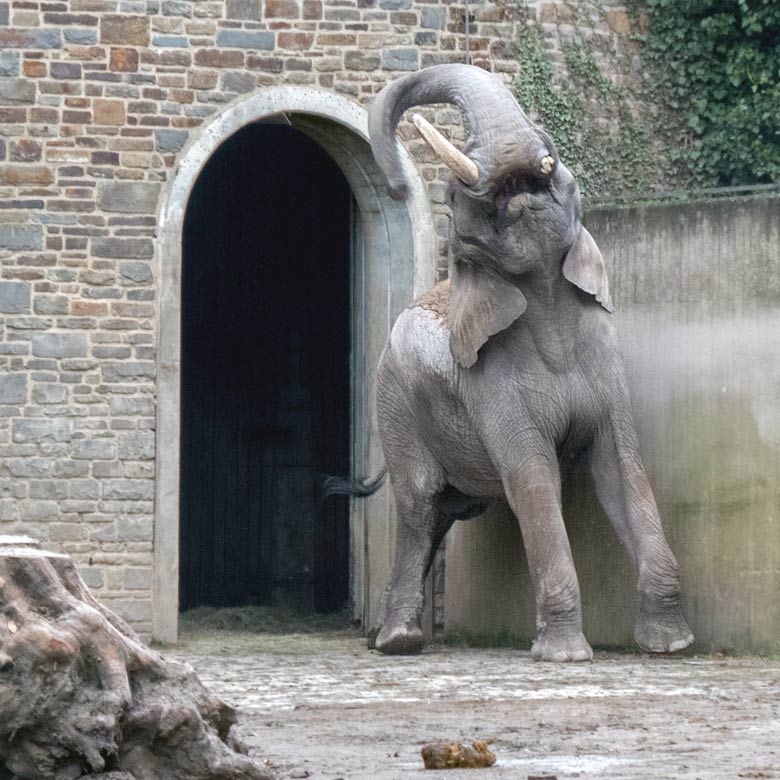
[[705, 112], [591, 119], [714, 66]]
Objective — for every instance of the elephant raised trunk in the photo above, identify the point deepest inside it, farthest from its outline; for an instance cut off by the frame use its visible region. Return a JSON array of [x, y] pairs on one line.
[[500, 139]]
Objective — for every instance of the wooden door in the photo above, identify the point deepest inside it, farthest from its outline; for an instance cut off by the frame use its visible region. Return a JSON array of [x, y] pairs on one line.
[[265, 375]]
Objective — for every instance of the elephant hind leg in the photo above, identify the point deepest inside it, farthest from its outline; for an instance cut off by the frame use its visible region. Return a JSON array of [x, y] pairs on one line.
[[418, 484], [418, 537]]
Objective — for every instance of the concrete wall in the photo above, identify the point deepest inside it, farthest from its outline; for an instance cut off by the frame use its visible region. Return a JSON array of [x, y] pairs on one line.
[[697, 290]]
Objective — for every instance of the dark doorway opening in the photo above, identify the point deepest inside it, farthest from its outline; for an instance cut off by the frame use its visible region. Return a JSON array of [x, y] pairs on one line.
[[265, 385]]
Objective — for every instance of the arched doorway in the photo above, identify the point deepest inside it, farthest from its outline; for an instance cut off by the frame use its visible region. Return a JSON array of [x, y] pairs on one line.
[[265, 380], [392, 257]]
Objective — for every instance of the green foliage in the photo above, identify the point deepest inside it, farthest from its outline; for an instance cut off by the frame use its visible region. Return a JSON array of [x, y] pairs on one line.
[[714, 65], [588, 116], [557, 109], [706, 112]]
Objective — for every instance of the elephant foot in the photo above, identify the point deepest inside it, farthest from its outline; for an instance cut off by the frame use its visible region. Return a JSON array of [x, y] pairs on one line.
[[667, 632], [660, 624], [561, 647], [400, 636]]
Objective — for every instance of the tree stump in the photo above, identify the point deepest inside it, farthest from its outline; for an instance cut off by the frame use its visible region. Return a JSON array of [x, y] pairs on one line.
[[82, 696]]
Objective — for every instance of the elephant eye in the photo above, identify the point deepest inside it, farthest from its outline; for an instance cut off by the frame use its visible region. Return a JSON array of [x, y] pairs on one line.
[[518, 183]]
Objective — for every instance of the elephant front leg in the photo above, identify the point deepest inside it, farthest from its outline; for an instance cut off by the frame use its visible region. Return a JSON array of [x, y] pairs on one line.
[[624, 492], [534, 494]]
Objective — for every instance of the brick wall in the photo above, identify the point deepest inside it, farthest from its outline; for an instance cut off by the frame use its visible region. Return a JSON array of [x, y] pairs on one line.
[[97, 98]]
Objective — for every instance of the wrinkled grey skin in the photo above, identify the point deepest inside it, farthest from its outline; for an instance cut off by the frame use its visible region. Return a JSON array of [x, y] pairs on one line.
[[489, 385]]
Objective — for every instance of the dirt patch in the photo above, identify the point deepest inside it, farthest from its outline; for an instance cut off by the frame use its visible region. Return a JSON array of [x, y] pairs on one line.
[[320, 705]]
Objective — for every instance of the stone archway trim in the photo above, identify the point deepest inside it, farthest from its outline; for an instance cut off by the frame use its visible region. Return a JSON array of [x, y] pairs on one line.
[[308, 104]]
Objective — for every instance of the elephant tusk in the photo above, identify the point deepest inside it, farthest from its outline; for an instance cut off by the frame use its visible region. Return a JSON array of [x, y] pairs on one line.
[[547, 164], [463, 167]]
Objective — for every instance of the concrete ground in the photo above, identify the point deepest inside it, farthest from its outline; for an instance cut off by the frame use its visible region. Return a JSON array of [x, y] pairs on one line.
[[320, 705]]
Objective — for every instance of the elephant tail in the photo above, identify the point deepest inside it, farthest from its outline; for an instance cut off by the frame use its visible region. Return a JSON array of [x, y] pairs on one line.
[[338, 486]]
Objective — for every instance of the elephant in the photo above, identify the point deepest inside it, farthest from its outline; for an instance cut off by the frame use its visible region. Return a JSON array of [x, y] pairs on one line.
[[494, 378]]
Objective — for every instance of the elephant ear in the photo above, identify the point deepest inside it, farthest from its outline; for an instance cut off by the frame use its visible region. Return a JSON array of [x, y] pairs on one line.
[[481, 305], [584, 267]]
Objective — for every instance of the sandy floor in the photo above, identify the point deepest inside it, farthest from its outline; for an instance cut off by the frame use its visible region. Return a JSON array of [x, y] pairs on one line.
[[323, 706]]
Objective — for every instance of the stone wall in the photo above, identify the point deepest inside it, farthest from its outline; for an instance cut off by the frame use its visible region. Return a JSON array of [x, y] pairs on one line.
[[97, 100]]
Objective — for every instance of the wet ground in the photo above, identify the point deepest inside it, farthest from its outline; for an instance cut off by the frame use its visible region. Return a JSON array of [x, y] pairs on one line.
[[320, 705]]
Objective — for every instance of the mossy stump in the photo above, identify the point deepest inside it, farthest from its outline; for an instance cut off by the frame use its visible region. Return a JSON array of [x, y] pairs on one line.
[[82, 696]]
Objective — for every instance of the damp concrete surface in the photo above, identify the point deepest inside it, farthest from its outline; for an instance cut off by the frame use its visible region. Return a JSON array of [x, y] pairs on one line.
[[321, 705]]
